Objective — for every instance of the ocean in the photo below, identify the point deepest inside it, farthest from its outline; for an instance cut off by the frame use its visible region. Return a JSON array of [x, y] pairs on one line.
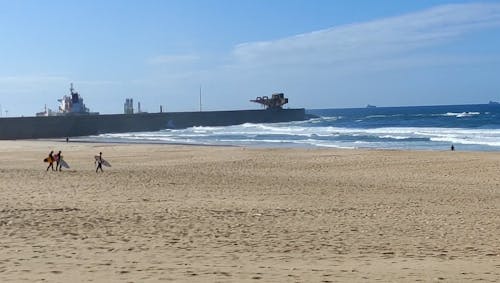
[[467, 127]]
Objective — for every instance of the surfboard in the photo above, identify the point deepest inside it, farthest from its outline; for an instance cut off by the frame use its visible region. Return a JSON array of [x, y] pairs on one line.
[[104, 162], [48, 159], [64, 164]]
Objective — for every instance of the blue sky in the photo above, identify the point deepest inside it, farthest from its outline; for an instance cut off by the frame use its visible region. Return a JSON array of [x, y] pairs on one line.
[[321, 54]]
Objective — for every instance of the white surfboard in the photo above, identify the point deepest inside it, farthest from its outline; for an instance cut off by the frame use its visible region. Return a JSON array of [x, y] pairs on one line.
[[64, 164], [104, 162]]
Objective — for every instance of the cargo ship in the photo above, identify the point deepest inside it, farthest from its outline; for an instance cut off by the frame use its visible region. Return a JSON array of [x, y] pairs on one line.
[[74, 119]]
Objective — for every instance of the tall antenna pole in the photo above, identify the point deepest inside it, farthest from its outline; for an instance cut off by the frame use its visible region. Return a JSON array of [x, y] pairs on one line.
[[200, 98]]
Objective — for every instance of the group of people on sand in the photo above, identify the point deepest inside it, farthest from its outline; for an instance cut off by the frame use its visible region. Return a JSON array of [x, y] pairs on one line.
[[57, 158]]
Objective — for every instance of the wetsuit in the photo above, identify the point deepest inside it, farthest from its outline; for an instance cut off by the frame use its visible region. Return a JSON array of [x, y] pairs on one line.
[[99, 163], [51, 161]]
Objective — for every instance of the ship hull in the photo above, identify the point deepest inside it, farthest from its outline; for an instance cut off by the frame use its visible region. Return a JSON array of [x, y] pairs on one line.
[[85, 125]]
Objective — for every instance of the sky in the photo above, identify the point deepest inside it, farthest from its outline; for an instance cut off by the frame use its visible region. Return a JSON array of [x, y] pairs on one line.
[[320, 53]]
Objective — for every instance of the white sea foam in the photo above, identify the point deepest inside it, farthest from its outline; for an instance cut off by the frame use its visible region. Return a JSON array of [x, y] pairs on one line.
[[462, 114], [315, 135]]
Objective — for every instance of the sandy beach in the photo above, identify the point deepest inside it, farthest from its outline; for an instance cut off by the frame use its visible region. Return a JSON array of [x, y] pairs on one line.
[[230, 214]]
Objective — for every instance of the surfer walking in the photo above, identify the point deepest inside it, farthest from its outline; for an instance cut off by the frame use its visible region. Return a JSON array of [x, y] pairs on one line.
[[58, 158], [50, 159], [99, 162]]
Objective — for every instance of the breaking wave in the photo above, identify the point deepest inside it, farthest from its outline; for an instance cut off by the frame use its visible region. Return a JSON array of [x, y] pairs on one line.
[[387, 128]]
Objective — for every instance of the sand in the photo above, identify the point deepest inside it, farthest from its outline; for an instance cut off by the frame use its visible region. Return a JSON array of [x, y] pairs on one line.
[[230, 214]]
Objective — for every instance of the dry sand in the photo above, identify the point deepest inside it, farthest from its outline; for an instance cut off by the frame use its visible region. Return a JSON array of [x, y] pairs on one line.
[[222, 214]]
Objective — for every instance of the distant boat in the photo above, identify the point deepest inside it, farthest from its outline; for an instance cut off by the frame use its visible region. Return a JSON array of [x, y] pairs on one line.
[[370, 106], [494, 102]]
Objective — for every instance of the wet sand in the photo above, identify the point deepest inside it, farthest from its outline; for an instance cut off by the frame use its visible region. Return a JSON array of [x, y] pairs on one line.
[[228, 214]]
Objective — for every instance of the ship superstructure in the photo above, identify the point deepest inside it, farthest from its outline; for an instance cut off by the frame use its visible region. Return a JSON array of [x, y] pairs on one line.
[[71, 104]]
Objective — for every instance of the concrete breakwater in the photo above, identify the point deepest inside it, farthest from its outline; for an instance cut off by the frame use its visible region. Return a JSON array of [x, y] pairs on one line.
[[85, 125]]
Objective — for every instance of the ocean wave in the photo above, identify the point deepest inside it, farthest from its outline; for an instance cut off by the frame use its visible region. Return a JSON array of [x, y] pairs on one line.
[[384, 116], [286, 134], [462, 114], [421, 128]]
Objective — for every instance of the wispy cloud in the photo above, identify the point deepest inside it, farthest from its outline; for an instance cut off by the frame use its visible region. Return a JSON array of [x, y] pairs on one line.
[[372, 40], [28, 84], [22, 83], [173, 59], [98, 83], [31, 79]]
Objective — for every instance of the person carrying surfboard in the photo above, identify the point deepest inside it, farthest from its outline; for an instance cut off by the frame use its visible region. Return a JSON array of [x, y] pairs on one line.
[[99, 162], [50, 160], [58, 158]]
